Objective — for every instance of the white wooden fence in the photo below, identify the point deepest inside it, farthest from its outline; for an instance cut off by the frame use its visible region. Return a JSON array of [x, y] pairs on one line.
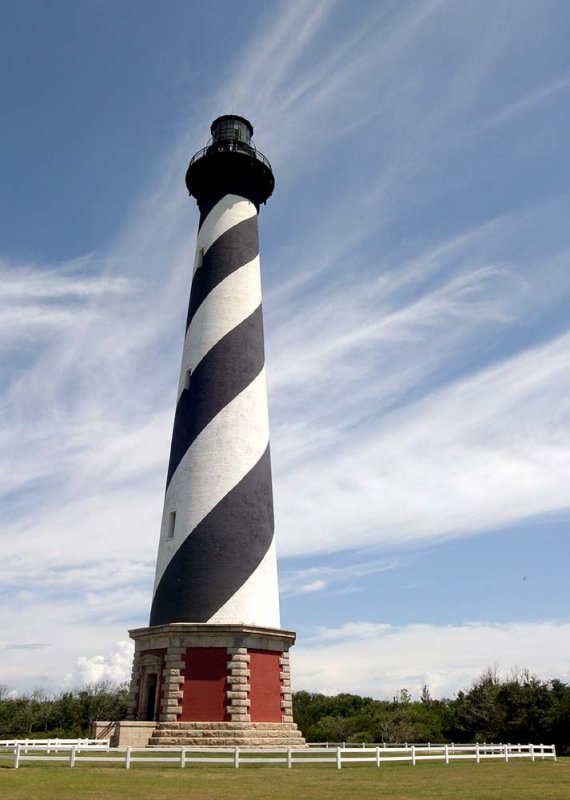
[[80, 752], [54, 744]]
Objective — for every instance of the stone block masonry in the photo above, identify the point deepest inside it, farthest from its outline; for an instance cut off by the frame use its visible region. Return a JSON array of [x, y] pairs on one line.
[[202, 675]]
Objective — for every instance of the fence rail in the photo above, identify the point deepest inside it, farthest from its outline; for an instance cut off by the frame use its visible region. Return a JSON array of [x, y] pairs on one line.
[[78, 752], [57, 743]]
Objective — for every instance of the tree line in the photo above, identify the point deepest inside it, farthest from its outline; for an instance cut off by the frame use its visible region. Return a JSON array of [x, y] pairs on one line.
[[518, 708], [68, 714]]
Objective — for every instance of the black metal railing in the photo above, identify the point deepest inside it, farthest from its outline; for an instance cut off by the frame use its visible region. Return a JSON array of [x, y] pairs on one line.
[[230, 146]]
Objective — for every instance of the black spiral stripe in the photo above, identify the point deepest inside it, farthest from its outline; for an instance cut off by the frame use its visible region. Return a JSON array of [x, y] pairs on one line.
[[234, 248], [219, 555], [225, 371]]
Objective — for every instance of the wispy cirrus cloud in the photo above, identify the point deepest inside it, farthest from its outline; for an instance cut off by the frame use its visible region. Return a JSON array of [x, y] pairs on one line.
[[36, 302], [414, 395], [483, 452], [330, 578], [530, 100]]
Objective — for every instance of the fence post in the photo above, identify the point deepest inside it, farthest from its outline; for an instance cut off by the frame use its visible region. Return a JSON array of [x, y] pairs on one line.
[[477, 753], [531, 749], [236, 757], [338, 758], [554, 751], [413, 755], [506, 753], [72, 756], [377, 756], [128, 758], [16, 756], [447, 754], [289, 758], [183, 758]]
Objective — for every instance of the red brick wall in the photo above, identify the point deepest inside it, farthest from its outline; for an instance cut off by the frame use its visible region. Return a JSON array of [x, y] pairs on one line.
[[205, 685], [265, 683]]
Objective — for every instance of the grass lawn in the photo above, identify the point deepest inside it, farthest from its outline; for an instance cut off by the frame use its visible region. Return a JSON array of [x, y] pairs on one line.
[[490, 781]]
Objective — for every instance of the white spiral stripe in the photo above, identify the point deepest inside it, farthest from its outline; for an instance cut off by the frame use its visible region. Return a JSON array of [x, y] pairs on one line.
[[228, 304], [229, 211], [233, 442], [244, 607]]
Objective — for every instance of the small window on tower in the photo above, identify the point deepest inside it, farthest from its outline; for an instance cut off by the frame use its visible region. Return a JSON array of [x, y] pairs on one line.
[[200, 257], [171, 525], [187, 377]]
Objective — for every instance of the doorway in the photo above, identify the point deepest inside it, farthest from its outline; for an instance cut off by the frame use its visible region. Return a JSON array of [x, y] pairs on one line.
[[151, 685]]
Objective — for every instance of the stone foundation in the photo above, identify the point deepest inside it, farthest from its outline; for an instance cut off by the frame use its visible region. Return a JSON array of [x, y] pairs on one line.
[[223, 685], [128, 733], [227, 734]]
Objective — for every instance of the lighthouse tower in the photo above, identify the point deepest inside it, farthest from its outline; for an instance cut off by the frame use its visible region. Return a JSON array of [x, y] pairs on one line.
[[213, 665]]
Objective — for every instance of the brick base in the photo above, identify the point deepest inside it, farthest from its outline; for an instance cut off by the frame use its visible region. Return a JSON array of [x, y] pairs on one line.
[[200, 673]]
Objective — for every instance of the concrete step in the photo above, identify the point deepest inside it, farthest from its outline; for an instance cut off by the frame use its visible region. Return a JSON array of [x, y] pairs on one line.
[[190, 741], [209, 734], [227, 734], [233, 726]]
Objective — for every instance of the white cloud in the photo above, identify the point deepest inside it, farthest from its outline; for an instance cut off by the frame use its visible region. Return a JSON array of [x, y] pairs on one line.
[[41, 649], [93, 669], [530, 100], [88, 408], [313, 586], [37, 303], [378, 659], [487, 451], [316, 579]]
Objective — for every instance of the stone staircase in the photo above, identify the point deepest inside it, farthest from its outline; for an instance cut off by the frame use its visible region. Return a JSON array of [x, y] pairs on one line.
[[227, 734]]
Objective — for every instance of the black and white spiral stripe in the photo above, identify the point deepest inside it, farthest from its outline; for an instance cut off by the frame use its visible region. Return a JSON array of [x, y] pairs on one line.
[[217, 562]]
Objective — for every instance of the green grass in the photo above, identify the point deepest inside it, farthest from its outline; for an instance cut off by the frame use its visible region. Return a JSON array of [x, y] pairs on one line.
[[490, 781]]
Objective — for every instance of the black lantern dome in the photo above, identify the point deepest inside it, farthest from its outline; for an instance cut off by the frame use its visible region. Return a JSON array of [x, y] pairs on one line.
[[229, 164]]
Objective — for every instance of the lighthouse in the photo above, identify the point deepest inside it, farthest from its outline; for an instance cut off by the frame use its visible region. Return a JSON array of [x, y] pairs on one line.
[[213, 664]]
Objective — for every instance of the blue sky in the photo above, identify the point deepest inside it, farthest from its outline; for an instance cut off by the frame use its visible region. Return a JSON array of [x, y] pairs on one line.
[[416, 289]]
